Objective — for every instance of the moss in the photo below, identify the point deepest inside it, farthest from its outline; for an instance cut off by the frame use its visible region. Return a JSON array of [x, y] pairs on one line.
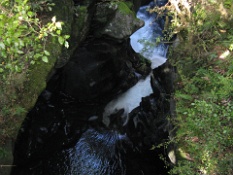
[[38, 74], [129, 4], [124, 7], [81, 14], [63, 10], [19, 95], [79, 23], [22, 93]]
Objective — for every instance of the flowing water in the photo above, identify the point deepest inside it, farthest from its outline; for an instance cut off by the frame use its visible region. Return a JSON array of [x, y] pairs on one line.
[[63, 137], [143, 42]]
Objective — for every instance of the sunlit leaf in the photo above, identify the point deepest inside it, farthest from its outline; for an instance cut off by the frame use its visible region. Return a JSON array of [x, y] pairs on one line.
[[66, 44], [46, 52], [61, 40], [54, 19], [30, 14], [2, 45], [32, 62], [45, 59], [59, 25]]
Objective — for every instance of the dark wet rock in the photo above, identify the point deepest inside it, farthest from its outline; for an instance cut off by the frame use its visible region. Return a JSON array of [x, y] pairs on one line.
[[136, 4], [166, 75], [115, 20], [147, 123], [139, 63], [87, 155], [64, 134], [97, 151], [101, 69], [48, 130], [65, 137], [82, 19]]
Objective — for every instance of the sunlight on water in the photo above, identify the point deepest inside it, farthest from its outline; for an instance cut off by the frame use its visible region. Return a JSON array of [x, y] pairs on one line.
[[87, 160], [141, 42], [128, 100]]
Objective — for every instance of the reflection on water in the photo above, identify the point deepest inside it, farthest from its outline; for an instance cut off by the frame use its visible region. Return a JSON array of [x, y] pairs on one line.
[[63, 136]]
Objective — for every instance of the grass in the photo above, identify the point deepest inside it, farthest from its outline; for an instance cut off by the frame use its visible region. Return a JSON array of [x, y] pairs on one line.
[[204, 92]]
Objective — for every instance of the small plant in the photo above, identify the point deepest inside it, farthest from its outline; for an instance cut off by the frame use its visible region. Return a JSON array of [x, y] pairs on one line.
[[204, 88], [23, 39]]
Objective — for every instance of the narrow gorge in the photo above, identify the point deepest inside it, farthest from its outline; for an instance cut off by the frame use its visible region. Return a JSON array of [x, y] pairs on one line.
[[107, 104]]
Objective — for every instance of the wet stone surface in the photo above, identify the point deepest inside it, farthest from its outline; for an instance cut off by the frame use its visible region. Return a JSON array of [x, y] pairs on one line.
[[64, 136], [65, 132]]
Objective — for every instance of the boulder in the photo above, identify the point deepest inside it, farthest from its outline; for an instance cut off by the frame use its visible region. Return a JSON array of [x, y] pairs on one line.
[[115, 20], [99, 70]]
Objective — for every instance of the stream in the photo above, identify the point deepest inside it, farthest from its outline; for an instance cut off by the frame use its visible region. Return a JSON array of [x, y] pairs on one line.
[[114, 132]]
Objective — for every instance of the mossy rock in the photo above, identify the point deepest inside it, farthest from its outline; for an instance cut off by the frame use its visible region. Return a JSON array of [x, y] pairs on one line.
[[124, 7], [123, 21], [81, 23], [36, 77]]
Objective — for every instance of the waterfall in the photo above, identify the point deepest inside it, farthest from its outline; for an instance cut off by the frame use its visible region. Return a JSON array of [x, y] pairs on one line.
[[143, 41], [64, 132]]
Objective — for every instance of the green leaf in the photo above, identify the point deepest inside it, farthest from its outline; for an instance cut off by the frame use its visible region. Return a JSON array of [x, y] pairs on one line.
[[17, 68], [61, 40], [20, 52], [45, 59], [66, 36], [2, 45], [37, 55], [46, 52], [66, 44], [32, 62], [184, 96], [30, 14], [58, 32], [54, 19], [8, 66], [58, 25], [1, 70]]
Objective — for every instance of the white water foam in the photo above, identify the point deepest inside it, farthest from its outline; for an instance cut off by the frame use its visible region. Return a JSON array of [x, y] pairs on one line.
[[143, 40], [129, 99], [156, 54]]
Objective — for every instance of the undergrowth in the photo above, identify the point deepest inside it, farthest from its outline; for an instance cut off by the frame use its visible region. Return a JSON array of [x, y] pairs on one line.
[[202, 53], [23, 39]]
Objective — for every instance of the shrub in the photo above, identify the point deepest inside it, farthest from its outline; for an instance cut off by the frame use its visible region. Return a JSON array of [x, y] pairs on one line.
[[204, 91], [23, 38]]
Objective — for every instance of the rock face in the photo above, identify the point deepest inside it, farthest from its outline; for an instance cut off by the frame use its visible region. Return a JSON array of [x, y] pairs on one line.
[[36, 79], [67, 117], [104, 64], [101, 69], [63, 135], [79, 17], [116, 20]]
